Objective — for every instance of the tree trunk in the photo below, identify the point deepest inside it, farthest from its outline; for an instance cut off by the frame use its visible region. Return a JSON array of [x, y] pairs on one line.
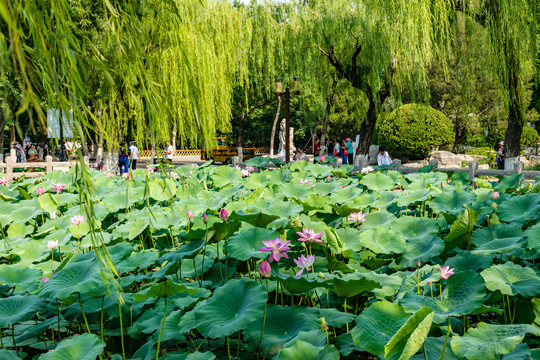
[[516, 118], [2, 126], [274, 127], [241, 119], [367, 129], [325, 125]]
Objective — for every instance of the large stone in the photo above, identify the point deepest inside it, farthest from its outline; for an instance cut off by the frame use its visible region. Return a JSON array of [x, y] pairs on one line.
[[373, 151], [534, 160], [450, 160], [483, 167]]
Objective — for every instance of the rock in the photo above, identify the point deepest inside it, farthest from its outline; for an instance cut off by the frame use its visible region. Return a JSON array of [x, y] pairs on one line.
[[417, 164], [450, 160], [534, 160], [360, 161], [373, 151], [483, 167], [526, 163]]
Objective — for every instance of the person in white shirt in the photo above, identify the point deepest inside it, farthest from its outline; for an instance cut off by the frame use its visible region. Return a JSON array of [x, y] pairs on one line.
[[383, 158], [134, 155], [168, 151]]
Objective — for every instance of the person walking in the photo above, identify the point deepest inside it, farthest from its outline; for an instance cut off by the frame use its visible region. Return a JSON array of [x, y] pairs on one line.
[[344, 153], [123, 161], [336, 149], [500, 156], [168, 151], [133, 155], [350, 151]]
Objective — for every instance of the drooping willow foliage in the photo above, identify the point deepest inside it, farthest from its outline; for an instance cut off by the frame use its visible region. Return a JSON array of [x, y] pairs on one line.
[[152, 69]]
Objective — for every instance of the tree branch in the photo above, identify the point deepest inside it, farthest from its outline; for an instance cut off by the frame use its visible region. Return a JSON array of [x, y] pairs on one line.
[[334, 61]]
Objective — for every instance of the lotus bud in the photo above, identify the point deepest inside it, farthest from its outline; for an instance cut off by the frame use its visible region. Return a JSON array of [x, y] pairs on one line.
[[40, 190], [418, 263], [495, 195], [224, 214], [265, 270], [205, 218], [323, 325], [190, 214]]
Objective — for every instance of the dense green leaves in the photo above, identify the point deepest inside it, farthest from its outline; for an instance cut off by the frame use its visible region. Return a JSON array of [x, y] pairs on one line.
[[512, 279], [83, 347]]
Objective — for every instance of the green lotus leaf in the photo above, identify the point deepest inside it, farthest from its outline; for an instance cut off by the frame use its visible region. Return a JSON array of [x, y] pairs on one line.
[[352, 284], [326, 188], [464, 293], [23, 279], [344, 195], [138, 260], [512, 279], [9, 354], [162, 290], [408, 197], [48, 203], [376, 325], [301, 284], [81, 347], [319, 171], [508, 182], [19, 229], [413, 227], [420, 248], [520, 208], [488, 342], [434, 348], [162, 189], [377, 181], [420, 180], [410, 337], [364, 200], [186, 250], [426, 273], [463, 227], [533, 237], [17, 308], [78, 277], [467, 261], [280, 209], [78, 231], [378, 218], [194, 267], [282, 325], [302, 350], [334, 317], [382, 240], [295, 190], [347, 238], [231, 308], [225, 175], [497, 239], [386, 199], [451, 202], [246, 244]]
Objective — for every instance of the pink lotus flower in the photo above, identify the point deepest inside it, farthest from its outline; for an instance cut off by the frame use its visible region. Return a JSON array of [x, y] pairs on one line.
[[322, 158], [307, 181], [250, 169], [245, 172], [77, 219], [173, 175], [4, 181], [52, 215], [446, 272], [304, 263], [44, 279], [58, 187], [276, 248], [39, 190], [150, 169], [442, 184], [224, 214], [190, 214], [265, 269], [310, 235], [495, 195], [52, 244], [328, 178], [359, 216]]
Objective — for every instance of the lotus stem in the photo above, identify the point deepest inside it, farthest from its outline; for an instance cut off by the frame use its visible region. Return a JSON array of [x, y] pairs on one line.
[[121, 327], [228, 348], [238, 345], [13, 337], [58, 317], [52, 258], [418, 279], [219, 264], [425, 353], [345, 309], [161, 330], [440, 290], [445, 340], [83, 314], [204, 251], [101, 318], [172, 239]]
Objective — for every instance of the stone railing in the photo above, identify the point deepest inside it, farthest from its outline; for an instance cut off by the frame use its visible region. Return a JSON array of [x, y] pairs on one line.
[[190, 152], [48, 165]]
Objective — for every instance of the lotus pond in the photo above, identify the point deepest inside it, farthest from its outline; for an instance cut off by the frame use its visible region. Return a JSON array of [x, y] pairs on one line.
[[304, 261]]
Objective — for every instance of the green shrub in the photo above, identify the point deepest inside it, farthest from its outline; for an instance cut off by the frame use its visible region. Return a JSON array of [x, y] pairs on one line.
[[413, 130], [529, 137]]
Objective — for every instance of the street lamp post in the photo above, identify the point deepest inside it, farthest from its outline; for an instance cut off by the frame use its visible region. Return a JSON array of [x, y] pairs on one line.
[[287, 93]]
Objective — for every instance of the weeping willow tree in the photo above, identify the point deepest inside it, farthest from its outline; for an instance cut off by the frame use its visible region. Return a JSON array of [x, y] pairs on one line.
[[384, 48], [154, 67]]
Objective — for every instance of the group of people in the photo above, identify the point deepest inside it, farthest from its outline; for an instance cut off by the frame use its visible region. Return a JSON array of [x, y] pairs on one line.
[[127, 158], [30, 152]]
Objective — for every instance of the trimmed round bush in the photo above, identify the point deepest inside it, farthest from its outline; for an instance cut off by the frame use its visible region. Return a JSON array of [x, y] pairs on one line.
[[413, 130], [529, 137]]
